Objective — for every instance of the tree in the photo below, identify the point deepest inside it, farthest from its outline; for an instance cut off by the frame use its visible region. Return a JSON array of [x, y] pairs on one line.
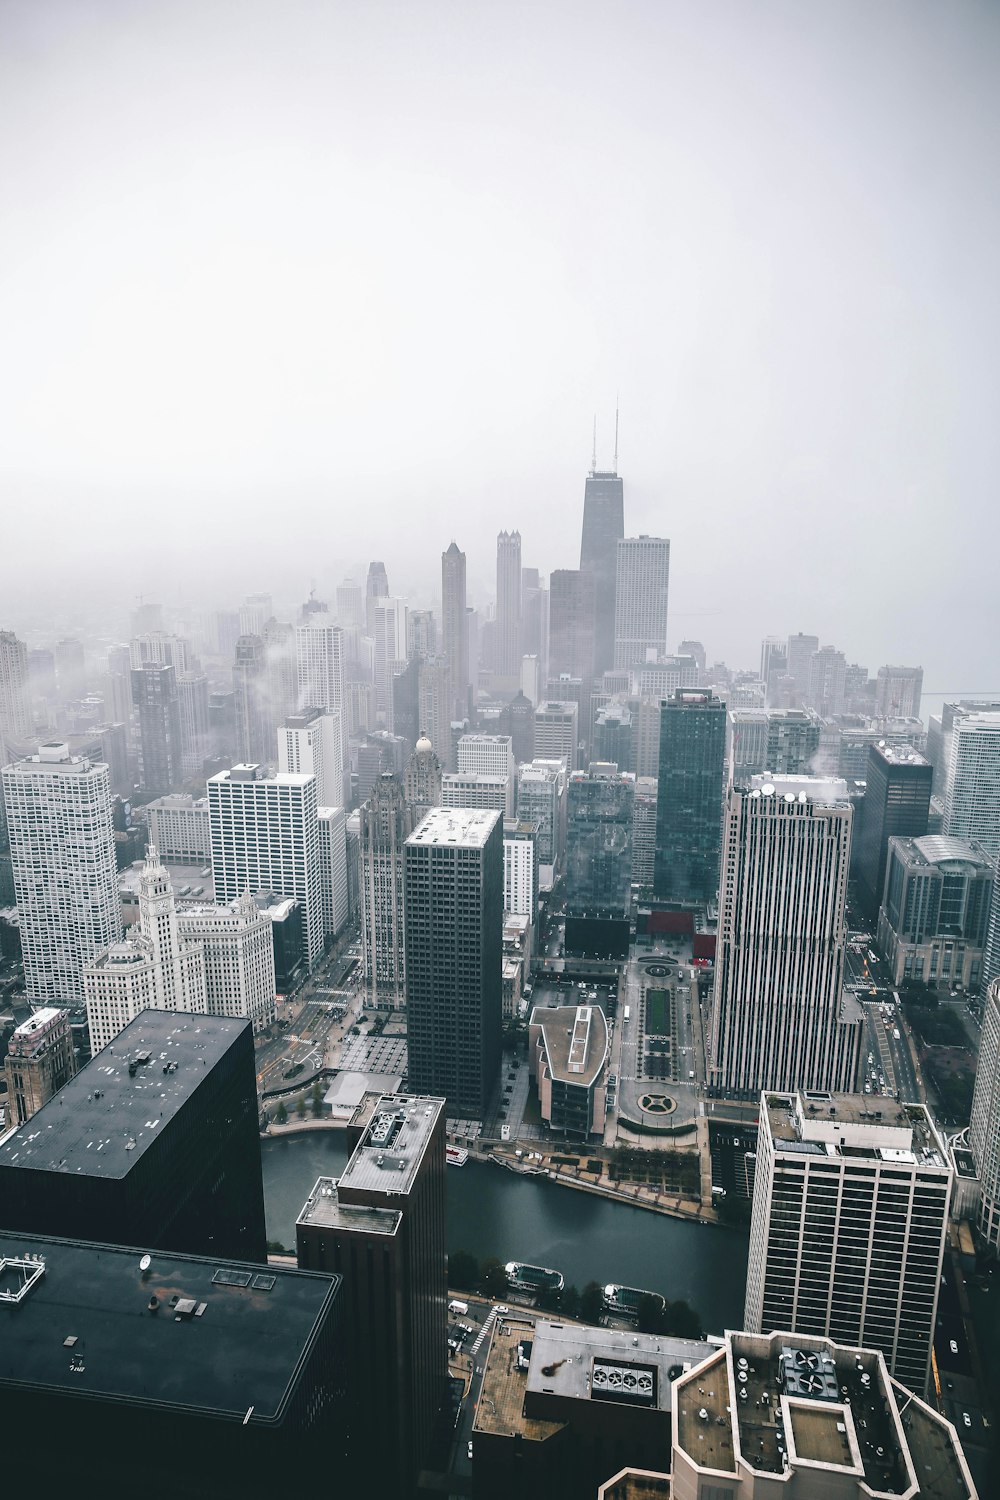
[[493, 1278], [681, 1320], [317, 1099], [570, 1302], [281, 1113], [649, 1314], [591, 1302], [275, 1247], [463, 1271], [300, 1107]]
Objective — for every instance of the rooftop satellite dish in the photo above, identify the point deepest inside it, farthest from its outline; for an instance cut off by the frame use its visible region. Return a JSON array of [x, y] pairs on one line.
[[145, 1263]]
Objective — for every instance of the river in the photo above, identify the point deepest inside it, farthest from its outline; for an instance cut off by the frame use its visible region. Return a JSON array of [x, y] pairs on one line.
[[496, 1212]]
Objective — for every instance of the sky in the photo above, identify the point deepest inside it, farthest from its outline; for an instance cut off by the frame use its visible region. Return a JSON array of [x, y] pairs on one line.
[[288, 286]]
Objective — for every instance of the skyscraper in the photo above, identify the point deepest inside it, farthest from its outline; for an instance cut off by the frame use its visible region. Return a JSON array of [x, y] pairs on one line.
[[62, 845], [780, 1014], [434, 706], [237, 945], [850, 1216], [265, 837], [799, 654], [422, 779], [641, 599], [827, 681], [319, 649], [972, 784], [309, 745], [557, 732], [453, 902], [935, 913], [689, 796], [897, 802], [897, 692], [571, 623], [153, 968], [454, 627], [15, 706], [253, 741], [255, 611], [389, 618], [71, 674], [386, 823], [40, 1059], [603, 529], [541, 799], [376, 588], [192, 705], [984, 1124], [508, 626], [599, 809], [154, 693]]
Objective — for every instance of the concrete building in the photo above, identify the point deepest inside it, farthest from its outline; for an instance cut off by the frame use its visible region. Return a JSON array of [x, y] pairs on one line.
[[849, 1225], [972, 785], [798, 655], [154, 1143], [40, 1059], [781, 1018], [333, 869], [568, 1052], [486, 754], [180, 828], [192, 706], [613, 740], [984, 1126], [934, 919], [15, 700], [644, 833], [390, 652], [470, 790], [386, 823], [599, 810], [507, 666], [453, 905], [158, 715], [818, 1419], [541, 799], [376, 588], [689, 796], [557, 732], [643, 575], [571, 624], [454, 628], [603, 529], [422, 779], [154, 968], [827, 681], [265, 837], [897, 803], [311, 744], [897, 692], [237, 947], [62, 849], [254, 613], [520, 868], [381, 1225], [319, 654]]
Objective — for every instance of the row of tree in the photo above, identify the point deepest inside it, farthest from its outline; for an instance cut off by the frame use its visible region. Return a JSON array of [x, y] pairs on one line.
[[280, 1116]]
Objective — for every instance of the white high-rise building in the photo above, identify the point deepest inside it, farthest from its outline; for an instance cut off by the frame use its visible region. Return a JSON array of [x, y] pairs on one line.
[[641, 599], [62, 846], [154, 968], [850, 1217], [557, 732], [157, 648], [972, 784], [238, 948], [180, 828], [390, 649], [984, 1125], [15, 704], [319, 654], [520, 869], [781, 1018], [386, 823], [255, 611], [310, 744], [486, 755], [471, 790], [265, 837], [333, 868], [541, 799]]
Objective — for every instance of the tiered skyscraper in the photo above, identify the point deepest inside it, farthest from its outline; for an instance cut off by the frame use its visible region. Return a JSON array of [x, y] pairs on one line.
[[780, 1011], [62, 847]]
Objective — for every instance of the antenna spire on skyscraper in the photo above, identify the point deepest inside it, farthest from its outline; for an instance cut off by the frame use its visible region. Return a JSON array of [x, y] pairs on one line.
[[593, 461], [615, 469]]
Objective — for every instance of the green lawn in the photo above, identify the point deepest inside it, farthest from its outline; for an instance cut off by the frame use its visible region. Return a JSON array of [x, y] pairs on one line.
[[657, 1013]]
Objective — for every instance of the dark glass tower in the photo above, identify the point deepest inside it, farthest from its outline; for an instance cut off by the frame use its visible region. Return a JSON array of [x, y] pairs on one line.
[[897, 803], [603, 529], [689, 799], [154, 693]]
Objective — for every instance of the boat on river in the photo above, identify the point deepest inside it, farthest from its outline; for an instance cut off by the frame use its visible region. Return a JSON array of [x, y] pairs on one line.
[[525, 1278], [625, 1301], [456, 1156]]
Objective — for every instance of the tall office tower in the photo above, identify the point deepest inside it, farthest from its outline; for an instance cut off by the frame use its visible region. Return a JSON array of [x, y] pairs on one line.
[[773, 657], [641, 599], [690, 781], [897, 692], [225, 632], [349, 602], [386, 823], [454, 628], [984, 1125], [39, 1061], [603, 529], [422, 779], [850, 1217], [179, 828], [192, 704], [376, 588], [507, 666], [972, 785], [433, 704], [319, 649], [517, 719], [897, 803], [933, 926], [613, 740], [390, 651], [255, 611], [281, 676], [531, 679], [472, 790], [191, 1181], [557, 732], [778, 1015], [62, 846], [746, 742], [792, 742], [646, 738], [42, 674], [486, 754], [265, 837], [406, 703], [71, 674], [644, 833], [421, 633], [360, 700], [309, 744], [158, 714], [453, 916], [154, 968], [858, 690], [533, 602], [541, 799], [939, 733], [157, 648], [799, 655], [381, 1225], [333, 869], [599, 810], [572, 595], [827, 681], [237, 946], [520, 868], [15, 706], [253, 741]]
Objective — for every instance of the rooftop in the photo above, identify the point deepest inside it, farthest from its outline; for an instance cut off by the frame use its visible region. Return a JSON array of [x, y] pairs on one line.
[[389, 1154], [824, 1124], [604, 1364], [575, 1038], [226, 1336], [823, 791], [505, 1380], [324, 1209], [944, 848], [466, 827], [899, 755], [249, 772], [102, 1121]]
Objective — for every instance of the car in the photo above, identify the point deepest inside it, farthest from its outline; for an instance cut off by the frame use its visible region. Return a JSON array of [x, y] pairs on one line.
[[469, 1449], [953, 1346], [965, 1418]]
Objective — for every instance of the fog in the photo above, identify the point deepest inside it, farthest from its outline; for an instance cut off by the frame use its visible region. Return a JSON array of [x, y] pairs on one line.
[[289, 286]]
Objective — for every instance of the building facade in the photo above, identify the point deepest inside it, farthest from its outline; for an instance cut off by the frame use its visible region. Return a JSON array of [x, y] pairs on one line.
[[599, 811], [15, 700], [454, 628], [180, 829], [40, 1059], [934, 919], [896, 804], [238, 959], [557, 732], [690, 787], [311, 744], [158, 714], [386, 823], [643, 575], [508, 620], [541, 799], [520, 868], [972, 785], [603, 529]]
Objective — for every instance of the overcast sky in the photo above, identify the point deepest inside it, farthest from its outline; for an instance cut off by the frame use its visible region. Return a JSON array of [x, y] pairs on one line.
[[286, 286]]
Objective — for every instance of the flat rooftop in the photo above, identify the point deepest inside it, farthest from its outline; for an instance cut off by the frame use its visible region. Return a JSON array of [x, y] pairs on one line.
[[572, 1360], [101, 1121], [505, 1380], [235, 1340], [575, 1038], [463, 827], [849, 1124], [389, 1154], [895, 754], [324, 1210], [822, 791]]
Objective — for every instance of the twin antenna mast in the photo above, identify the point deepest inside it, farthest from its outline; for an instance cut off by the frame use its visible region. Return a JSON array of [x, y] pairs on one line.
[[593, 461]]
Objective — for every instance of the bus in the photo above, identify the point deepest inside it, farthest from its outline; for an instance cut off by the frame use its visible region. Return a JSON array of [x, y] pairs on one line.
[[627, 1014]]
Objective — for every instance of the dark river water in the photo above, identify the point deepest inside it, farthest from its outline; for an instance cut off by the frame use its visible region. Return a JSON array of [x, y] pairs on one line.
[[495, 1212]]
